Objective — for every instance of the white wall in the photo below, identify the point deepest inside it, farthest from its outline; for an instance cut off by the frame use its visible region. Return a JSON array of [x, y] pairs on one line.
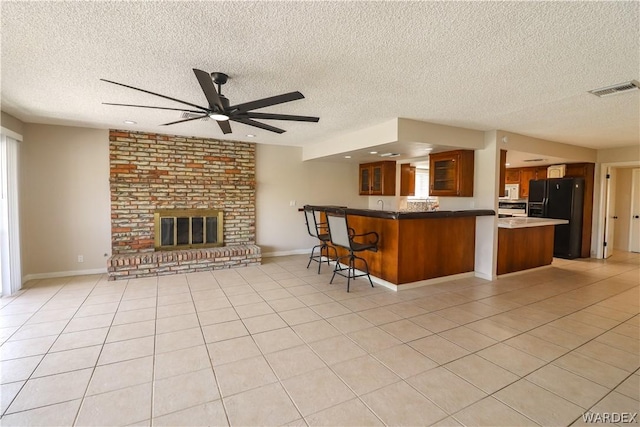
[[282, 177], [65, 209], [621, 154], [527, 144], [9, 122], [485, 191]]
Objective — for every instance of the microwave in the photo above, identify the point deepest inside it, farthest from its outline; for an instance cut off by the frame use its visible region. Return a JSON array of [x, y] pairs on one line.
[[512, 191], [556, 171]]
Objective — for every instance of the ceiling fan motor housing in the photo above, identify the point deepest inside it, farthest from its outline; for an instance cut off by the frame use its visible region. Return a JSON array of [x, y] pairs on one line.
[[225, 102]]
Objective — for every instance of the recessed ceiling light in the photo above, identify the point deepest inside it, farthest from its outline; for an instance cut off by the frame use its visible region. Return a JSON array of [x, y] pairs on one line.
[[373, 152], [347, 157], [427, 149], [507, 164], [130, 122], [250, 135]]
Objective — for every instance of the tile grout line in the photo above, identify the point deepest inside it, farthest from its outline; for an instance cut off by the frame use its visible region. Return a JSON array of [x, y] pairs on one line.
[[69, 280], [84, 395], [463, 325], [98, 279], [204, 340]]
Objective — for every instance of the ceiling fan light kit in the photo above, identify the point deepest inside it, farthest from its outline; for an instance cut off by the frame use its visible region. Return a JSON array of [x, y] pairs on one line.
[[219, 117], [220, 108]]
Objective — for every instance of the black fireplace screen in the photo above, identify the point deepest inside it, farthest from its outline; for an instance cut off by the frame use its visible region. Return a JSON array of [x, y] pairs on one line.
[[187, 228]]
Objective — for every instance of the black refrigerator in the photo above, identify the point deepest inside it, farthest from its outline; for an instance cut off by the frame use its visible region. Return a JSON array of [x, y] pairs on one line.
[[560, 198]]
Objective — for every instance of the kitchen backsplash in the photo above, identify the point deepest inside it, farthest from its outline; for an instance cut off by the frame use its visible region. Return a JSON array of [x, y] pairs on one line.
[[422, 205]]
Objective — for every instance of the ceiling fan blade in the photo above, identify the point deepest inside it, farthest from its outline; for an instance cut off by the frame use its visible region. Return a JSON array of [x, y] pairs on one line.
[[209, 89], [225, 126], [267, 102], [269, 116], [258, 125], [158, 108], [185, 120], [156, 94]]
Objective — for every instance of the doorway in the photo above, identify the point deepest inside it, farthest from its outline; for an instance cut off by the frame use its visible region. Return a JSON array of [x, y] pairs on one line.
[[10, 269], [634, 213], [619, 204]]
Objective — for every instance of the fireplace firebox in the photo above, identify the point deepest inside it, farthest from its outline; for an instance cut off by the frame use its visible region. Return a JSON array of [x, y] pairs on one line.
[[187, 228]]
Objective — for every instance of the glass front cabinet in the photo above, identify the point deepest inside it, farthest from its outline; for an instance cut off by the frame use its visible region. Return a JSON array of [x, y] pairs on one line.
[[451, 173], [378, 179]]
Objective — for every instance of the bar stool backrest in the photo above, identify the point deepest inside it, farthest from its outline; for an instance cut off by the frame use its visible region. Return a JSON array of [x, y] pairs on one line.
[[310, 219], [338, 229]]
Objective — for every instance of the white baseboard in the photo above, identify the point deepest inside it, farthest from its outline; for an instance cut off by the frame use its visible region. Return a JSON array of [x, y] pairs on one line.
[[286, 253], [55, 274], [435, 280], [529, 270], [483, 276], [411, 285]]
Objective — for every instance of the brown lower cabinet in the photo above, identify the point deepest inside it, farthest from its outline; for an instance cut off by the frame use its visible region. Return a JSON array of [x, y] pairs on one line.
[[524, 248], [404, 256], [416, 246]]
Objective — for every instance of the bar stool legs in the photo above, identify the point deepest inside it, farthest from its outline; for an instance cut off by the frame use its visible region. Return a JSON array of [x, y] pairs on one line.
[[351, 270]]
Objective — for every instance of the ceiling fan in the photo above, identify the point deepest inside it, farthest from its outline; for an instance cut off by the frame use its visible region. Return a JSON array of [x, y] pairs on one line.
[[221, 110]]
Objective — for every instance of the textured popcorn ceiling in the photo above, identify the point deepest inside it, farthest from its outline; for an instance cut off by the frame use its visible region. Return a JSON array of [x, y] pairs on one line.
[[524, 67]]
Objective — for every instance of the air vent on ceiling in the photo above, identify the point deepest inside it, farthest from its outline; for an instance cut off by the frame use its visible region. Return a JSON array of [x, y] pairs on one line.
[[186, 115], [390, 155], [534, 160], [616, 89]]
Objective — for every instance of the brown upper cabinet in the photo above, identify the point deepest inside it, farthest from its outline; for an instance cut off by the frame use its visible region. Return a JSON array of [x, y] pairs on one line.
[[451, 173], [526, 175], [522, 176], [407, 180], [378, 179], [512, 176]]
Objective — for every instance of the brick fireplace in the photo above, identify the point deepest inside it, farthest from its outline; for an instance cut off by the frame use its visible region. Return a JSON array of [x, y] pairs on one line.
[[152, 173]]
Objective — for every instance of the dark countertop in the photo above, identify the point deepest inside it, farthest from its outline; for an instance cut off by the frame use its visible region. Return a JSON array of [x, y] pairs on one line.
[[407, 215]]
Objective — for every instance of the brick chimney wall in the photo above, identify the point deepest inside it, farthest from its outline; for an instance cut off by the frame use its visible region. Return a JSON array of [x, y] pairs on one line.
[[152, 171]]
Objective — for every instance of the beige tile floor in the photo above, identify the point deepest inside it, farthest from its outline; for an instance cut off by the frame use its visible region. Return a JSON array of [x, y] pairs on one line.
[[278, 345]]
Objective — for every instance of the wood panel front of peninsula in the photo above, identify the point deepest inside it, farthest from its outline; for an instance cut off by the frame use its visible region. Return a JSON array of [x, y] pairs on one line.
[[416, 246]]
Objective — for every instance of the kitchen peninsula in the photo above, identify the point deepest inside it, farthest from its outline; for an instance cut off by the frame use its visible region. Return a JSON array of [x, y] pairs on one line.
[[416, 246]]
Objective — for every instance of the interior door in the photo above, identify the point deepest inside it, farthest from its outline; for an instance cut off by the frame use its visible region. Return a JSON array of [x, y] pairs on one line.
[[634, 238], [610, 215]]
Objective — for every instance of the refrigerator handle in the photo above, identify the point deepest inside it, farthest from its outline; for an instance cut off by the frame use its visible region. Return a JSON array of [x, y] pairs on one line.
[[545, 200]]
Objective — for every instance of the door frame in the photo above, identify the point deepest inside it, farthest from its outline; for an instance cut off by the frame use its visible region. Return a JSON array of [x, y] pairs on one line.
[[609, 211], [634, 189], [597, 235]]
